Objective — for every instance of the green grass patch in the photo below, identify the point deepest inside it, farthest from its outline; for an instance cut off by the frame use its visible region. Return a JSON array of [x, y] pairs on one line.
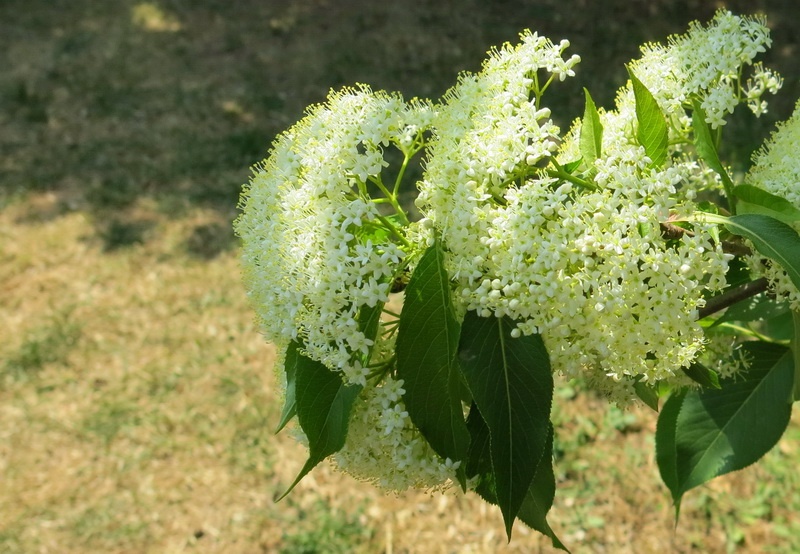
[[323, 530], [49, 344], [111, 418]]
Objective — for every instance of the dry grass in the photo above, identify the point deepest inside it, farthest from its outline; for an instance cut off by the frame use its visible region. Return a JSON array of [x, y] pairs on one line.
[[146, 426]]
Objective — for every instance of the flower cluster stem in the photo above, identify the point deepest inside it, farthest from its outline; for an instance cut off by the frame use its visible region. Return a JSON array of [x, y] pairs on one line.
[[560, 173]]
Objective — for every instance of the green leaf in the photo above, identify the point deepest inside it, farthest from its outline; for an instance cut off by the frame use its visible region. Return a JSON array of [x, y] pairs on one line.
[[479, 458], [572, 166], [369, 319], [512, 386], [324, 404], [704, 434], [704, 143], [289, 401], [591, 139], [647, 394], [427, 350], [667, 445], [738, 273], [539, 499], [795, 346], [652, 132], [541, 493], [376, 233], [700, 374], [753, 200], [772, 238], [756, 308], [779, 328]]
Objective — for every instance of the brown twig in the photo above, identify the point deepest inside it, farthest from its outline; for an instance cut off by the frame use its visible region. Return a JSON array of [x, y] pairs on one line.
[[670, 231], [673, 232], [731, 297]]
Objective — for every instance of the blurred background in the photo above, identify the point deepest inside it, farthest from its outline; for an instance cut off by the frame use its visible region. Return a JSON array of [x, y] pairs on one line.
[[137, 399], [108, 102]]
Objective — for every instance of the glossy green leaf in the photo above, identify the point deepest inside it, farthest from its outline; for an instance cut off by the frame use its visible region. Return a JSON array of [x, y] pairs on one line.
[[738, 273], [652, 130], [368, 322], [377, 234], [704, 143], [591, 139], [753, 200], [369, 319], [772, 238], [512, 386], [795, 345], [537, 502], [289, 400], [705, 434], [703, 376], [427, 350], [324, 404], [667, 454]]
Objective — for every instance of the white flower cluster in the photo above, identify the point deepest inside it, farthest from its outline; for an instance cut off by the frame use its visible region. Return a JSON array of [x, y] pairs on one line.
[[317, 253], [488, 134], [613, 296], [311, 258], [592, 273], [385, 448], [579, 251], [776, 169], [707, 62], [721, 355], [763, 80]]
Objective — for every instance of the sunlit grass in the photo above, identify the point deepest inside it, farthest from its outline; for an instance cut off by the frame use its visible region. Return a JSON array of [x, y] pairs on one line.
[[139, 416]]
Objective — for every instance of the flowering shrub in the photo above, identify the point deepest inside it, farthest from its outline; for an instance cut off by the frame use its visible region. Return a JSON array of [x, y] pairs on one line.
[[620, 254]]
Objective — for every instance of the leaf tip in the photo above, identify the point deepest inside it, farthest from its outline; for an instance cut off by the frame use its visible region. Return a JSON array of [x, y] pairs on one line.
[[286, 492], [509, 525], [302, 474], [281, 425]]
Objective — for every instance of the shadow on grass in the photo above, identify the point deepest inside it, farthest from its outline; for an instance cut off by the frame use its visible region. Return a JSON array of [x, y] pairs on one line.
[[176, 100]]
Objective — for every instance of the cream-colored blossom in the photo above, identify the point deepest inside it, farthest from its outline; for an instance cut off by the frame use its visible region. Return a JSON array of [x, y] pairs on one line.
[[488, 134], [317, 254], [385, 448], [582, 260], [776, 169], [590, 270], [707, 62], [312, 259]]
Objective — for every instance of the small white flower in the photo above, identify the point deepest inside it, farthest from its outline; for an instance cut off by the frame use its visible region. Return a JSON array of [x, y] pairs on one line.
[[776, 169]]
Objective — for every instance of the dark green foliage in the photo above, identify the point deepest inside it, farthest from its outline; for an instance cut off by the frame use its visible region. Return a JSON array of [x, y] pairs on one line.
[[708, 433], [512, 387], [427, 349], [323, 404]]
